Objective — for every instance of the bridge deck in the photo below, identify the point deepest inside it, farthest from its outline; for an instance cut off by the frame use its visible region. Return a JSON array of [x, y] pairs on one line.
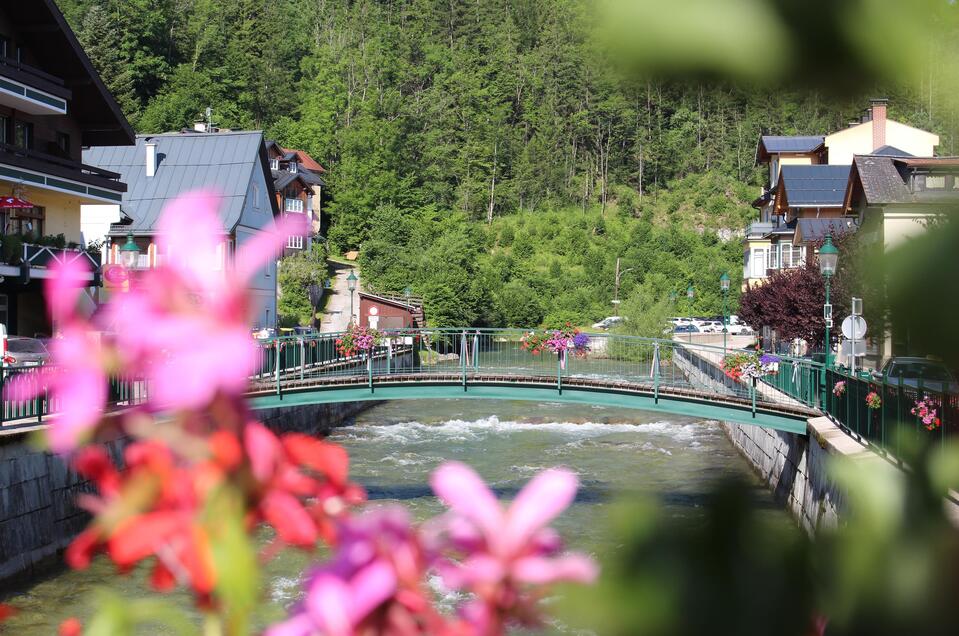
[[646, 389]]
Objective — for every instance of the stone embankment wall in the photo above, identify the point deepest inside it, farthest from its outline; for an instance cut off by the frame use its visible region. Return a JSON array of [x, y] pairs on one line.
[[38, 512], [793, 466]]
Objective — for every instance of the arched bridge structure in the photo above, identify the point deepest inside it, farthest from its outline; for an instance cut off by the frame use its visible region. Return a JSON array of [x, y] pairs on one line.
[[668, 376]]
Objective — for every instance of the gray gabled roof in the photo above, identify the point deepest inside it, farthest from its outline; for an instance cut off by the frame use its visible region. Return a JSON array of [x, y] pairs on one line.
[[880, 180], [813, 185], [220, 162], [890, 151]]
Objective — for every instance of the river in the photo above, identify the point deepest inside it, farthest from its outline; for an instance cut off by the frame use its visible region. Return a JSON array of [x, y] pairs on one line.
[[394, 446]]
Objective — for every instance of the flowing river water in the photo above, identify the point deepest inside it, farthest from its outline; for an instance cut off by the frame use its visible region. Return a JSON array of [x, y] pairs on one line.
[[394, 447]]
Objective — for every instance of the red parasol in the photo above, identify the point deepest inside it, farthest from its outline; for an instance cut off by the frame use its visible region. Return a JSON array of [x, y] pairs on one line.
[[14, 203]]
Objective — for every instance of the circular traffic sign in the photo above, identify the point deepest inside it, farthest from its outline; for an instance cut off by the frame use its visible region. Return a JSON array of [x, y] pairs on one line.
[[374, 311], [854, 327]]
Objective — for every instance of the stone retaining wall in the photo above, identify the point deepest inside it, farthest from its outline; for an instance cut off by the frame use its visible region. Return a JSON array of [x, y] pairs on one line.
[[793, 466], [38, 516], [38, 512]]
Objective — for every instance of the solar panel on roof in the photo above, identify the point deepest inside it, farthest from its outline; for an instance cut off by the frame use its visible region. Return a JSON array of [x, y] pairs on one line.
[[813, 185]]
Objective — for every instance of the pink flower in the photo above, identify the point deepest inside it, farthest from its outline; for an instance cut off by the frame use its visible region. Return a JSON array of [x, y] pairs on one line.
[[506, 552], [186, 324], [372, 586]]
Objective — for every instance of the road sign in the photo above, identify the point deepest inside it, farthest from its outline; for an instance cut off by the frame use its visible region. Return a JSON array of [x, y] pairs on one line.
[[854, 327], [853, 347], [374, 311]]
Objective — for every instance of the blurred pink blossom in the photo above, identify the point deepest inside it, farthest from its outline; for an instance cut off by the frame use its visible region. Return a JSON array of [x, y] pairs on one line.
[[77, 384], [506, 552], [373, 585], [186, 325]]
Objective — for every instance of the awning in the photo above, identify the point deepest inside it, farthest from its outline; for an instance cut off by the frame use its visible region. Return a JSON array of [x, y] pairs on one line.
[[15, 203]]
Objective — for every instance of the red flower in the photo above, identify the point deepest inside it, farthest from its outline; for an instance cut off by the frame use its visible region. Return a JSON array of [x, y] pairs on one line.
[[6, 611], [70, 627]]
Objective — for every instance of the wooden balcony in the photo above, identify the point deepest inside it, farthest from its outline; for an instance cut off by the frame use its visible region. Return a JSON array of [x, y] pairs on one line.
[[59, 168], [31, 90]]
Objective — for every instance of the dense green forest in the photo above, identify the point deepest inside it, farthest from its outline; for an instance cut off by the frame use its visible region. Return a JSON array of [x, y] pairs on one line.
[[493, 155]]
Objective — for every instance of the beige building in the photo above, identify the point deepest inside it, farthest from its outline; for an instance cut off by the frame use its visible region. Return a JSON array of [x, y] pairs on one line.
[[892, 199], [876, 131]]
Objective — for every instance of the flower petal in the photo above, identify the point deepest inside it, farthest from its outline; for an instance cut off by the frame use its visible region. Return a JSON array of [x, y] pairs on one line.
[[460, 488], [325, 458], [62, 288], [285, 513], [142, 535], [541, 570], [370, 587], [190, 231], [329, 603], [265, 246], [299, 625], [538, 503], [263, 449]]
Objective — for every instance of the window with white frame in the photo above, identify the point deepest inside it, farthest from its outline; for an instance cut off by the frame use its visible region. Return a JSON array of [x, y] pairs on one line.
[[256, 197], [294, 242], [791, 255], [293, 205], [773, 258]]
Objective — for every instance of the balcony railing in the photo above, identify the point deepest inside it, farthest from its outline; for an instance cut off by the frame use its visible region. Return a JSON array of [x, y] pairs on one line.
[[44, 256], [26, 74], [60, 167]]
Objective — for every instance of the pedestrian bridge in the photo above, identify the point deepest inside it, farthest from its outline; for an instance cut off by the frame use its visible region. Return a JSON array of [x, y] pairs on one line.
[[668, 376]]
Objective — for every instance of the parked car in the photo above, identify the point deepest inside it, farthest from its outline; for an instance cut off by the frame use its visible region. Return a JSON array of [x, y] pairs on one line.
[[934, 375], [739, 329], [608, 322], [687, 329], [24, 352]]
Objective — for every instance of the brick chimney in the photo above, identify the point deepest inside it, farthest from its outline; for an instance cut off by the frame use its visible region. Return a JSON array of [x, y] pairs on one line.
[[878, 122]]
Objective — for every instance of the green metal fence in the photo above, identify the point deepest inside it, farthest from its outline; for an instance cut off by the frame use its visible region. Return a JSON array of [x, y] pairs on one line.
[[122, 392], [892, 423]]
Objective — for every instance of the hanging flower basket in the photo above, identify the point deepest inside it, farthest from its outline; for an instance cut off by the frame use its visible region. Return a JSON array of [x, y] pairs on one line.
[[566, 340], [927, 414], [357, 340], [839, 389], [749, 366], [873, 400]]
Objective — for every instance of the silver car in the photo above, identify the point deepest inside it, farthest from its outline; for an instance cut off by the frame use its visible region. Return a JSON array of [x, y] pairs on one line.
[[25, 352]]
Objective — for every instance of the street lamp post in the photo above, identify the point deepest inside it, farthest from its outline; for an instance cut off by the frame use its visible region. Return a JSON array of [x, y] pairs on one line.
[[828, 261], [724, 287], [351, 285], [690, 294], [129, 253]]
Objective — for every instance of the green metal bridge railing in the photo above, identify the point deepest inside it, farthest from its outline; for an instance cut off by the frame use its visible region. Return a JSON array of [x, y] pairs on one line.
[[293, 362]]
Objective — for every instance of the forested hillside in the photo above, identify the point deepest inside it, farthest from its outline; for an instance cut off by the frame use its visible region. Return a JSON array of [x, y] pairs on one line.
[[483, 152]]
